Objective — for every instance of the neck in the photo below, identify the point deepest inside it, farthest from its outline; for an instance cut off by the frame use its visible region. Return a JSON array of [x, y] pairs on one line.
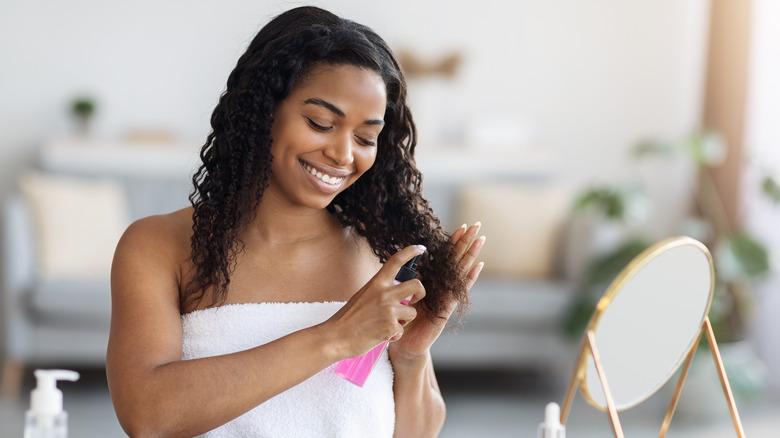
[[278, 224]]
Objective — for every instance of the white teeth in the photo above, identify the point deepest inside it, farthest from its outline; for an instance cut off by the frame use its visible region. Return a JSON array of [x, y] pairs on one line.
[[332, 180]]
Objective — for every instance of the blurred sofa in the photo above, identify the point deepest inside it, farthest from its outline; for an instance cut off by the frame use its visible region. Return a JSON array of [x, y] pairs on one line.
[[517, 303], [62, 224], [48, 321]]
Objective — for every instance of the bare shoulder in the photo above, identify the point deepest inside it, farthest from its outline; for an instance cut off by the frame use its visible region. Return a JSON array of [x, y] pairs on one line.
[[145, 282], [165, 231], [157, 237], [154, 249]]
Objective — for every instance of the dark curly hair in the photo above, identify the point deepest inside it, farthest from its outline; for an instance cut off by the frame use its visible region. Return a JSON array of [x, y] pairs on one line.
[[385, 204]]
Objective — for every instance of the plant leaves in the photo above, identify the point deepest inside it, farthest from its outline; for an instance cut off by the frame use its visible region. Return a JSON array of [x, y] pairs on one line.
[[771, 188], [707, 148], [752, 256], [741, 258]]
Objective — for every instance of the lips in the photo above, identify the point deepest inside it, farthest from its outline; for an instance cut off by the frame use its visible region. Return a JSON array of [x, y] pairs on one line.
[[322, 176]]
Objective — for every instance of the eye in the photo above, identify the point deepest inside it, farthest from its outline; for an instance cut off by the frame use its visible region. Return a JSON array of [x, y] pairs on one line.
[[365, 142], [317, 126]]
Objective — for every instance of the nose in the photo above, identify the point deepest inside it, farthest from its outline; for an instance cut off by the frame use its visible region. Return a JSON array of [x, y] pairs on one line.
[[340, 150]]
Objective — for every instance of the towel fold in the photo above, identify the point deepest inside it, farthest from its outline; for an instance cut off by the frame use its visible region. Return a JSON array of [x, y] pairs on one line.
[[324, 405]]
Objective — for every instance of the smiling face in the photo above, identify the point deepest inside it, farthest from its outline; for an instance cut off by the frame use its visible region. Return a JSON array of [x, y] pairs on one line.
[[325, 134]]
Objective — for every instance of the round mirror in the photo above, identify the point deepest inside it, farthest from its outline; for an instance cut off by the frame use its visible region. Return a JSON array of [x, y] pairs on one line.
[[648, 320]]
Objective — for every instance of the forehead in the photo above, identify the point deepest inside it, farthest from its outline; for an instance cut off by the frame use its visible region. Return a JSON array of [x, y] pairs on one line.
[[347, 85]]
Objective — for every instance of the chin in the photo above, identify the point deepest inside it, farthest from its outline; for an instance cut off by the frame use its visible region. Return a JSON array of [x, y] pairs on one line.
[[318, 203]]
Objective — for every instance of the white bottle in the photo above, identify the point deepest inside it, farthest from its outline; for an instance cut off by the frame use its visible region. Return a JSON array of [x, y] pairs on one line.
[[552, 427], [46, 419]]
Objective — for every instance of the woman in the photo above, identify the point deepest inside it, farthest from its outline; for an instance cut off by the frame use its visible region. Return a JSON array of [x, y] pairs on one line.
[[230, 315]]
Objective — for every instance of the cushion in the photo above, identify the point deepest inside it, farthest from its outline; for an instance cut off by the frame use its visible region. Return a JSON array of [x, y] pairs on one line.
[[72, 303], [77, 222], [522, 222]]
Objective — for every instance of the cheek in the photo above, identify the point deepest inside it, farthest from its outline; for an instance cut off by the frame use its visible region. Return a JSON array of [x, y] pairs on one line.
[[364, 159], [286, 147]]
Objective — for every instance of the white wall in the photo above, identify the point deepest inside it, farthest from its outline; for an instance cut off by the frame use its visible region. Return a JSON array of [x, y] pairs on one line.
[[762, 139], [585, 79]]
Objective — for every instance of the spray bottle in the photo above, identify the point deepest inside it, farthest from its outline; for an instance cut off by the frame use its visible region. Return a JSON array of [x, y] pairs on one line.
[[46, 419], [551, 428], [357, 369]]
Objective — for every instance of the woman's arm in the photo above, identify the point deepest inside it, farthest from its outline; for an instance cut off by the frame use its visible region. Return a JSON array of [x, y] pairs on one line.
[[420, 408], [155, 393]]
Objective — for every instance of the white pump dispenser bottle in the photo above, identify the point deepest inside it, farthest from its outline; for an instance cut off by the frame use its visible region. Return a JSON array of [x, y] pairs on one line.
[[46, 419], [551, 427]]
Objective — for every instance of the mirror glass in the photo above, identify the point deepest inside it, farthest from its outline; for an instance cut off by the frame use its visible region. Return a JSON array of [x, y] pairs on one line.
[[648, 320]]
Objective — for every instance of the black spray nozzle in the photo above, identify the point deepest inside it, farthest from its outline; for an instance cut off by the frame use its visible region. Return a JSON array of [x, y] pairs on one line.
[[409, 270]]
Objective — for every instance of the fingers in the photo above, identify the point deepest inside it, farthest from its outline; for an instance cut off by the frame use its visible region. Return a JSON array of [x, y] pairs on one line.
[[380, 310], [457, 234], [411, 290], [471, 254], [467, 249], [465, 239], [473, 274], [405, 317]]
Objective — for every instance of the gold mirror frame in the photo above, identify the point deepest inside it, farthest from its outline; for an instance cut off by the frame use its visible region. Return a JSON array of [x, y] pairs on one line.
[[588, 346]]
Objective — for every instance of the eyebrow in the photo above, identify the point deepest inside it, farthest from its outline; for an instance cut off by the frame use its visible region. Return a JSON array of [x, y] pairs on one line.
[[335, 110]]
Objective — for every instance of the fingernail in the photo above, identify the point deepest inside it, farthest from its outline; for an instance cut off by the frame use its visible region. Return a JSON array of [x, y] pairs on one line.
[[477, 224], [480, 265], [482, 238], [464, 226], [421, 248]]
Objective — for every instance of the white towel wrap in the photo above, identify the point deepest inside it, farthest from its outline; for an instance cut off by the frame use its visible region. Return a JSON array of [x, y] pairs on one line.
[[325, 405]]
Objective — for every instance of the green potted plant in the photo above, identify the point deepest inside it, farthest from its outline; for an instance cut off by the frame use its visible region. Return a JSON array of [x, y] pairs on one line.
[[739, 258], [83, 109], [614, 211]]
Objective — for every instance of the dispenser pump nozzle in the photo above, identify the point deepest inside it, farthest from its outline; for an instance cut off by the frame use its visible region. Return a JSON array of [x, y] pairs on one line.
[[552, 427], [46, 398]]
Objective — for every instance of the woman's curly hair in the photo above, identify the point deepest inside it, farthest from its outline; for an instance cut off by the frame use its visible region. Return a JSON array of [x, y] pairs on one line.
[[385, 205]]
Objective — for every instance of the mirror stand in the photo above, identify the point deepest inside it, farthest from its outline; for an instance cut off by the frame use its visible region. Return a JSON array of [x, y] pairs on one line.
[[588, 349], [706, 330]]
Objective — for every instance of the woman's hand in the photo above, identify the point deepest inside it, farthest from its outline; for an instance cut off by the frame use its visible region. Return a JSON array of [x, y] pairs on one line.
[[375, 314], [420, 333]]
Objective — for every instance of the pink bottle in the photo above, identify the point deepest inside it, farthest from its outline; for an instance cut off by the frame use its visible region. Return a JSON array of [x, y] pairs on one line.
[[357, 369]]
